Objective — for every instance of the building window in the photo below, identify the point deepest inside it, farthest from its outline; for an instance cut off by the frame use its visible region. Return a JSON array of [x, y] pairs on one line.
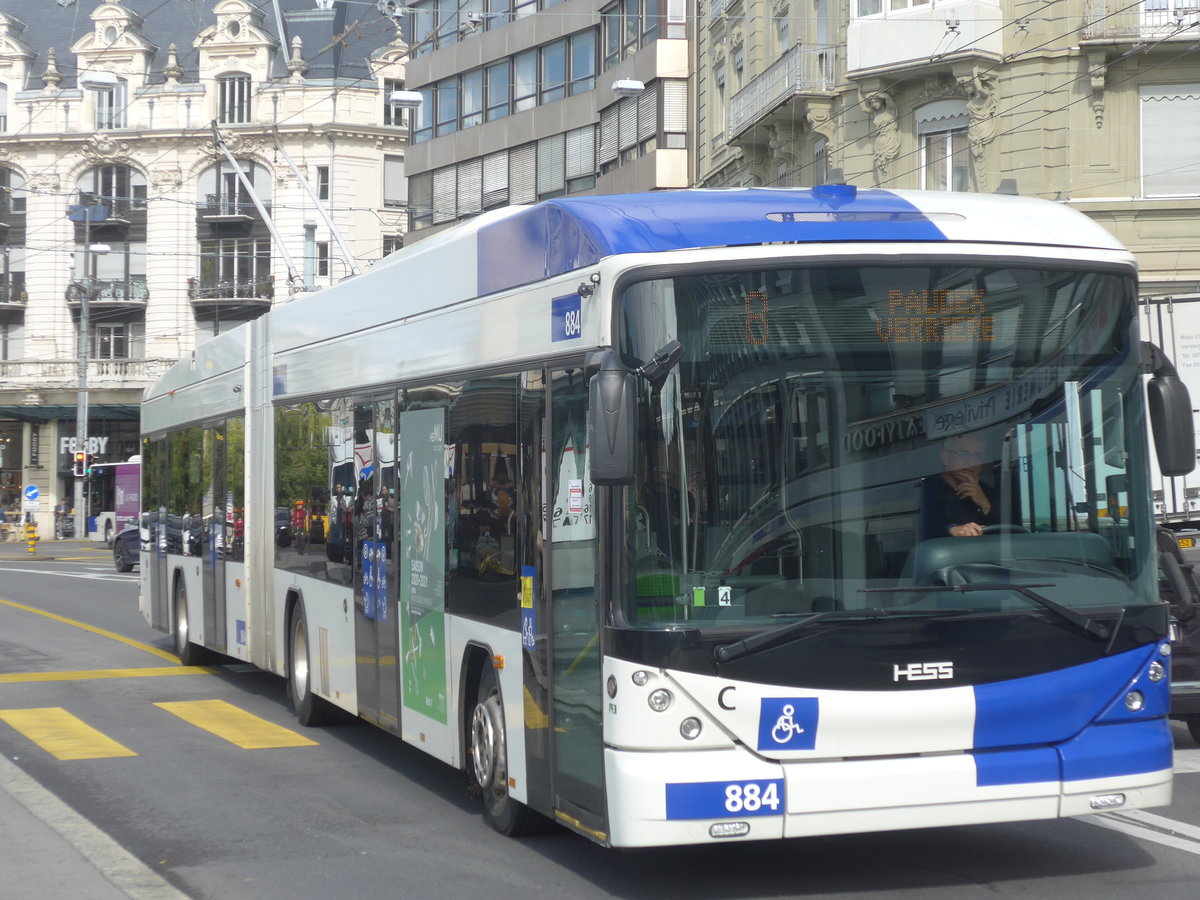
[[720, 115], [820, 163], [120, 189], [499, 90], [1170, 140], [222, 192], [393, 115], [424, 116], [110, 341], [864, 8], [235, 268], [323, 259], [525, 81], [447, 106], [111, 104], [11, 339], [583, 62], [392, 243], [945, 148], [233, 99], [322, 182], [554, 71], [472, 98], [395, 185]]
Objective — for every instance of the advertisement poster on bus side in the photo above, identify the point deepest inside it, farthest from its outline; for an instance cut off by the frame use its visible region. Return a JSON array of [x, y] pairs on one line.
[[423, 561]]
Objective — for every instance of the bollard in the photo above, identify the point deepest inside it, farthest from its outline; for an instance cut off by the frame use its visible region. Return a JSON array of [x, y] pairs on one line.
[[31, 536]]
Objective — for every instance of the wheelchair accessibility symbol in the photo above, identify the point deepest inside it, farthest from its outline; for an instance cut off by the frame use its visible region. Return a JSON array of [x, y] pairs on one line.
[[788, 723]]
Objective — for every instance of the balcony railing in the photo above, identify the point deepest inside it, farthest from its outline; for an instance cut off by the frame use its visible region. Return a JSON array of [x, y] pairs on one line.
[[222, 206], [1108, 19], [120, 208], [803, 68], [23, 374], [203, 290], [134, 291]]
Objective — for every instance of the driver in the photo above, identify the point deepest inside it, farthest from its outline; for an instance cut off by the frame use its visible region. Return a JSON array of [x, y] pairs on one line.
[[961, 504]]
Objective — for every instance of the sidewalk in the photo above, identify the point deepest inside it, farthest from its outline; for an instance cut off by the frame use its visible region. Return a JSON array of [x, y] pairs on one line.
[[52, 549]]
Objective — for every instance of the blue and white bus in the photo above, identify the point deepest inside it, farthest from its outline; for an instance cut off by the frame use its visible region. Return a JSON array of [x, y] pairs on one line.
[[700, 516]]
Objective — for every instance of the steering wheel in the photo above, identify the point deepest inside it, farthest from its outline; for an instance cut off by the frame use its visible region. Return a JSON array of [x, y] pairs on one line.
[[1005, 529]]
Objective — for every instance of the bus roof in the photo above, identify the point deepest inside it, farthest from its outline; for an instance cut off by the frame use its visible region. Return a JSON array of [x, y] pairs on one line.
[[564, 234]]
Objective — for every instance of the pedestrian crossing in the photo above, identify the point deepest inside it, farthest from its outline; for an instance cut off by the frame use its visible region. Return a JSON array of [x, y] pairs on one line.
[[65, 736]]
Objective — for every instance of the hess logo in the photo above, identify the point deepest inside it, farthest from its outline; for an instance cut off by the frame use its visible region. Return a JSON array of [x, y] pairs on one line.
[[929, 671]]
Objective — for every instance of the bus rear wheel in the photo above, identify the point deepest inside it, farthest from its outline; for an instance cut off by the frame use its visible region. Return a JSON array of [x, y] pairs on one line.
[[489, 764], [189, 654], [310, 709]]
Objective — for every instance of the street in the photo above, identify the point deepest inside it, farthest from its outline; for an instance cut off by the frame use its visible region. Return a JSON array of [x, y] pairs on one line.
[[149, 780]]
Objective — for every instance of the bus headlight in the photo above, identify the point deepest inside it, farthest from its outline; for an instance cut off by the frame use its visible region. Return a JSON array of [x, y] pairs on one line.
[[1157, 671], [1134, 701], [659, 699]]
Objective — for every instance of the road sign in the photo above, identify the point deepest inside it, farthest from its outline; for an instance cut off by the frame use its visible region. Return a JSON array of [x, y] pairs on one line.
[[32, 495]]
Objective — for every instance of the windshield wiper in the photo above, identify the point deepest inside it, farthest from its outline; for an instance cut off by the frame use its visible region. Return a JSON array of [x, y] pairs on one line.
[[1083, 623], [782, 633]]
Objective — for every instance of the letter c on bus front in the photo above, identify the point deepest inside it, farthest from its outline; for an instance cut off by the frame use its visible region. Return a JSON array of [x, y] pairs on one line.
[[722, 702]]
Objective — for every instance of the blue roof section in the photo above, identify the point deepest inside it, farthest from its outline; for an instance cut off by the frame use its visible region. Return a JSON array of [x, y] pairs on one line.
[[558, 236]]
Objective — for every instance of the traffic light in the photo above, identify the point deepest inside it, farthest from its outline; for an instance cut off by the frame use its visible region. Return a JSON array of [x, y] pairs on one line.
[[80, 468], [87, 465]]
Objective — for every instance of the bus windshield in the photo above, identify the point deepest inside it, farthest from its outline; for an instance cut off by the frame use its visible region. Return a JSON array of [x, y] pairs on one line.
[[880, 436]]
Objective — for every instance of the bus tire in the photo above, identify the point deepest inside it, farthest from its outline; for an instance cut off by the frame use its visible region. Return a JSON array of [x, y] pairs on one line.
[[1193, 726], [190, 654], [310, 709], [489, 764]]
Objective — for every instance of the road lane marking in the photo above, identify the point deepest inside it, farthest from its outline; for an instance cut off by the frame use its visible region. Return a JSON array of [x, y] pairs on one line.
[[63, 735], [1147, 826], [235, 725], [92, 674], [103, 576], [163, 654], [116, 864]]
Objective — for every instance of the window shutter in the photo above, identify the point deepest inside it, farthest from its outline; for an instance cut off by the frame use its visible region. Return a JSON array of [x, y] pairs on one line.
[[675, 106], [1170, 140], [522, 163], [628, 114], [470, 186], [495, 179], [420, 196], [647, 112], [395, 185], [608, 134], [581, 151], [444, 191], [550, 164]]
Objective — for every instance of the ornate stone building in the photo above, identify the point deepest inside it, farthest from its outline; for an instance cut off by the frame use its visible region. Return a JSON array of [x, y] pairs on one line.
[[165, 172], [1093, 103]]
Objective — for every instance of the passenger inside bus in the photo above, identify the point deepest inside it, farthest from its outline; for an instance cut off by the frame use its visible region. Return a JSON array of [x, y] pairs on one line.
[[961, 501]]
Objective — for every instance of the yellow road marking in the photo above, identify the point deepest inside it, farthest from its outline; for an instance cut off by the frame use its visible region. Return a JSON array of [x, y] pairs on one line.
[[62, 735], [163, 654], [91, 674], [235, 725]]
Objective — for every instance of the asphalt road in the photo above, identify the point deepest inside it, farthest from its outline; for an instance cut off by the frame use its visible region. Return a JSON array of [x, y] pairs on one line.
[[247, 804]]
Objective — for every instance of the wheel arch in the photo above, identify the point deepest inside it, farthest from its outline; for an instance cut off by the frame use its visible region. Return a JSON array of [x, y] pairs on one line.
[[476, 657]]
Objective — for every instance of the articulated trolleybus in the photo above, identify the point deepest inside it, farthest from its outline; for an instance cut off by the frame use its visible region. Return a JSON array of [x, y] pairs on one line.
[[701, 515]]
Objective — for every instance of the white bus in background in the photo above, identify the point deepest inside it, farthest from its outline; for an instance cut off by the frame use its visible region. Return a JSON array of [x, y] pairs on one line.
[[652, 542]]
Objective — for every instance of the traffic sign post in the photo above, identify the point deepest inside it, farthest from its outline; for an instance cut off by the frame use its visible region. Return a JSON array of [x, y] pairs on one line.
[[33, 502]]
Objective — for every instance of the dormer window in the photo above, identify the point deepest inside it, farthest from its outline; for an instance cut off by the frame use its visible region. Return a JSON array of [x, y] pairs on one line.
[[111, 104], [110, 35], [235, 28], [233, 99]]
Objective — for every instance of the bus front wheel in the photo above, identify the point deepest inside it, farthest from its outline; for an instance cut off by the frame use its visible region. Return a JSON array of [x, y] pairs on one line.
[[489, 764]]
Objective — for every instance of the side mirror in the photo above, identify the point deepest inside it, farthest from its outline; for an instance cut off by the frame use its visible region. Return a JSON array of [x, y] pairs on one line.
[[612, 419], [1171, 420]]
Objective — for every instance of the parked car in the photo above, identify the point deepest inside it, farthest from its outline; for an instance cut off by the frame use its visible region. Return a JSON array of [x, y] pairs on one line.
[[126, 546]]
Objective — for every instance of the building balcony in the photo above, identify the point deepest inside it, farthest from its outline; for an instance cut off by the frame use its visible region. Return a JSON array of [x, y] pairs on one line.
[[251, 292], [110, 293], [222, 208], [915, 35], [804, 69], [1111, 20], [63, 374], [12, 295], [118, 210]]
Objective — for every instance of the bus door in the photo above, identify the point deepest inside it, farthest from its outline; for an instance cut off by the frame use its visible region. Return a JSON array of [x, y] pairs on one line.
[[152, 532], [212, 539], [576, 689], [373, 523]]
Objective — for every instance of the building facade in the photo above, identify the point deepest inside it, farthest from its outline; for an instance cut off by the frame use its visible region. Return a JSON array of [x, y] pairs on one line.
[[524, 100], [1093, 103], [165, 172]]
